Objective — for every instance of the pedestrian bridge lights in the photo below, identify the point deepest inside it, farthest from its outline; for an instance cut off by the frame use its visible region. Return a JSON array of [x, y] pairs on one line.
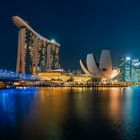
[[35, 53]]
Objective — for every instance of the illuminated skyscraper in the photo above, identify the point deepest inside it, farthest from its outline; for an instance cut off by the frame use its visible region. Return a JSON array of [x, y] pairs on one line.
[[129, 69], [121, 65], [35, 53], [125, 65], [135, 70]]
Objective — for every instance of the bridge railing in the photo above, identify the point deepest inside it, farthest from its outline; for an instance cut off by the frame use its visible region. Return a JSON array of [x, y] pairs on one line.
[[10, 75]]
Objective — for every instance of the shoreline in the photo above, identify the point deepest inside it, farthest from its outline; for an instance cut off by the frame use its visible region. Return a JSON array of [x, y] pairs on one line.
[[25, 86]]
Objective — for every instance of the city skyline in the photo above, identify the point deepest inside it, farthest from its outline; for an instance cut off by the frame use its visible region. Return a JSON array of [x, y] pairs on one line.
[[100, 25]]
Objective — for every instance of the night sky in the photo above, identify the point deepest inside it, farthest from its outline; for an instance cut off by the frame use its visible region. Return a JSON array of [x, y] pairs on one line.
[[80, 26]]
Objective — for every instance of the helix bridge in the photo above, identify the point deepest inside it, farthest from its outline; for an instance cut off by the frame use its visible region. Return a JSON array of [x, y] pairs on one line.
[[6, 75]]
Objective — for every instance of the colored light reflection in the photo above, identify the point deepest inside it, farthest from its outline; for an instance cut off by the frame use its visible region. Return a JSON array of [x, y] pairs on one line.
[[62, 113]]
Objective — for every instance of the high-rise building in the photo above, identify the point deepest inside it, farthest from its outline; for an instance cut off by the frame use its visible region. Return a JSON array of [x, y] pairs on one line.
[[136, 72], [35, 53], [121, 75], [129, 69]]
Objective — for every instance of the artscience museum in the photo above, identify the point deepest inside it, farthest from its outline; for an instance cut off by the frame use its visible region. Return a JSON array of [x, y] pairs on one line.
[[102, 69]]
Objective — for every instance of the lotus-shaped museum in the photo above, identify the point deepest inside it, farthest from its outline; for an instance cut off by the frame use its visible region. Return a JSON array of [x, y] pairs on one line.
[[103, 70]]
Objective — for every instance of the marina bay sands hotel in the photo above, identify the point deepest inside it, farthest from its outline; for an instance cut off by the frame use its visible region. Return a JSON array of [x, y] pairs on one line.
[[35, 53]]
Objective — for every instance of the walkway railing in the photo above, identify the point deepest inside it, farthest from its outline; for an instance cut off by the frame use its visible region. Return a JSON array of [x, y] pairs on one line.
[[13, 76]]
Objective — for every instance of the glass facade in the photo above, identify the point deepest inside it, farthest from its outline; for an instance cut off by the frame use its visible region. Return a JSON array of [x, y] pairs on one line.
[[129, 69]]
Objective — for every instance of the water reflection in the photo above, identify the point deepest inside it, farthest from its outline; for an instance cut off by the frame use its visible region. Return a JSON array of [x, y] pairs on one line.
[[70, 113]]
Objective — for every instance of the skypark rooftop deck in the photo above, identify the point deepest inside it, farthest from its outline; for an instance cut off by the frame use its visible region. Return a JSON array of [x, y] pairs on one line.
[[19, 22]]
